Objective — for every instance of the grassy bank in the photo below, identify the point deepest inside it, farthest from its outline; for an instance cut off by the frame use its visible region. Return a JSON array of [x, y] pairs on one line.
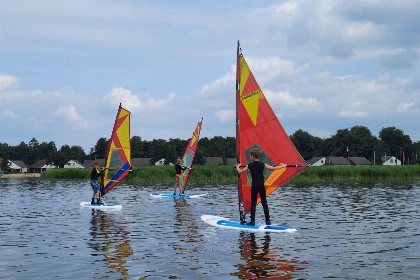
[[226, 174]]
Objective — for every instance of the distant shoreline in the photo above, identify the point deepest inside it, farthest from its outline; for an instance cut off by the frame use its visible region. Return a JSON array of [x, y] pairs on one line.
[[21, 175]]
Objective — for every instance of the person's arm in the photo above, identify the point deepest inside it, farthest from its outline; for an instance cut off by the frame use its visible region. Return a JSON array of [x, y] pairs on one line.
[[240, 171], [269, 167]]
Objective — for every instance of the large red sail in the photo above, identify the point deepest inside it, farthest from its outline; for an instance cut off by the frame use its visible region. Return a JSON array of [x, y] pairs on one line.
[[258, 126], [189, 154]]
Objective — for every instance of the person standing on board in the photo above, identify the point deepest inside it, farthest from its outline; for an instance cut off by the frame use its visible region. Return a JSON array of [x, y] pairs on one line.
[[94, 182], [257, 173], [179, 168]]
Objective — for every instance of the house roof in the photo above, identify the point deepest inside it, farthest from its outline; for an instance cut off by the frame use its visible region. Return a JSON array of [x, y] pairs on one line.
[[140, 161], [338, 161], [19, 163], [213, 160], [39, 164], [360, 160], [76, 161]]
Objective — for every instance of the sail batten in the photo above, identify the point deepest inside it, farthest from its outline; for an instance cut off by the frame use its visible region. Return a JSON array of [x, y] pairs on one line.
[[118, 156], [257, 126]]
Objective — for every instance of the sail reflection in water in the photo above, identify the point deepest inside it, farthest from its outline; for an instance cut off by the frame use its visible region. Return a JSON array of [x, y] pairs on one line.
[[262, 261], [111, 240]]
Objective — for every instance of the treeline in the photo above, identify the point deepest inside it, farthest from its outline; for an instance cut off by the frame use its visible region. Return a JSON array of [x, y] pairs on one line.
[[357, 141]]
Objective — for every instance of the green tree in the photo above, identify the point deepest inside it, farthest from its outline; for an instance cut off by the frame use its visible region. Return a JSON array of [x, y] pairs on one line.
[[4, 162], [307, 145], [398, 143], [100, 149], [158, 150], [137, 149], [58, 158]]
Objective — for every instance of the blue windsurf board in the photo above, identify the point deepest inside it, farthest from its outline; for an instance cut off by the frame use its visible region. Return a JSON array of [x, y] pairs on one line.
[[221, 222], [178, 195]]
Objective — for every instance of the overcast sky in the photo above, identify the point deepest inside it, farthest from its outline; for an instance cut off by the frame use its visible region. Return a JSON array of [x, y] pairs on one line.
[[65, 66]]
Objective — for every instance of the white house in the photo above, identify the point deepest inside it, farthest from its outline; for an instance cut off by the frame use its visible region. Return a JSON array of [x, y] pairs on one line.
[[390, 160], [317, 161], [160, 162], [73, 164], [17, 166]]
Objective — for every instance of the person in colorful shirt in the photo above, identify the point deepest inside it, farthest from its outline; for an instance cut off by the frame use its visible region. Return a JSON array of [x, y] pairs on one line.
[[257, 174], [94, 175]]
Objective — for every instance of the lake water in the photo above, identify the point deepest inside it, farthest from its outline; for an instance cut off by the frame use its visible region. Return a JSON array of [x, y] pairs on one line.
[[344, 231]]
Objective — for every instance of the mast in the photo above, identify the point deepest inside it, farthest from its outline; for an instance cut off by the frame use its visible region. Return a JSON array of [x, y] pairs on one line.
[[238, 140]]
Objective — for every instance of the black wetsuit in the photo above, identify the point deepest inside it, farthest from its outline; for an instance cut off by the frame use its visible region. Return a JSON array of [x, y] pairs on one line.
[[257, 173]]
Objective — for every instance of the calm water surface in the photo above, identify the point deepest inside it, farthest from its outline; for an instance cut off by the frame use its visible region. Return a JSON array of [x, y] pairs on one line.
[[345, 231]]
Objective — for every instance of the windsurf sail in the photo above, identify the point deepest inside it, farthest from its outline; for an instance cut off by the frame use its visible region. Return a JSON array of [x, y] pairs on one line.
[[258, 127], [187, 159], [118, 156]]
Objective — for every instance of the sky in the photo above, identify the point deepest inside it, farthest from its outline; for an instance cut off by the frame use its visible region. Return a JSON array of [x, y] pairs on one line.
[[65, 66]]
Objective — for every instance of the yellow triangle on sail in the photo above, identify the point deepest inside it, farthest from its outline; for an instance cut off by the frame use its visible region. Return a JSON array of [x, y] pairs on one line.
[[249, 100]]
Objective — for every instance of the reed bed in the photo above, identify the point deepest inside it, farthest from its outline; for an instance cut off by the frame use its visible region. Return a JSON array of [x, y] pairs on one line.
[[227, 174]]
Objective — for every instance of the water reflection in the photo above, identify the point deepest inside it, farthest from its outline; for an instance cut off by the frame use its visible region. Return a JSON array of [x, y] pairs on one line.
[[111, 240], [189, 238], [262, 260]]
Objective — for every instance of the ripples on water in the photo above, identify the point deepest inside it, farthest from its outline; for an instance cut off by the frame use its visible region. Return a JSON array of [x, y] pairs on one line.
[[345, 231]]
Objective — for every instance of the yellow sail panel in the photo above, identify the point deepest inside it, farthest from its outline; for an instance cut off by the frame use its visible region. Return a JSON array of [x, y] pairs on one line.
[[118, 161]]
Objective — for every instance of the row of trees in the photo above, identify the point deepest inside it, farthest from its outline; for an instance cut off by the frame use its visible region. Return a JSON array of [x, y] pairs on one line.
[[356, 141]]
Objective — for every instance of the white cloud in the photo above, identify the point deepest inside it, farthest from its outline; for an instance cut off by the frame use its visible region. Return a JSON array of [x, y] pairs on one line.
[[288, 100], [405, 107], [69, 112], [7, 81], [352, 114], [123, 96]]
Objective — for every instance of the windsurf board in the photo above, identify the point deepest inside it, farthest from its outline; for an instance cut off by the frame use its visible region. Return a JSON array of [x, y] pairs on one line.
[[101, 206], [178, 195], [221, 222]]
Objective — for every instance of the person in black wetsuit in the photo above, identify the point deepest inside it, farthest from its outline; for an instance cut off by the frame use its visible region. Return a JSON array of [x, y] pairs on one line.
[[257, 173], [94, 175], [179, 168]]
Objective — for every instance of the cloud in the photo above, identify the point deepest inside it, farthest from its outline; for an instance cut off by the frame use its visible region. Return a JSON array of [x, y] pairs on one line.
[[7, 81], [405, 107], [287, 100], [70, 114], [132, 102], [352, 114]]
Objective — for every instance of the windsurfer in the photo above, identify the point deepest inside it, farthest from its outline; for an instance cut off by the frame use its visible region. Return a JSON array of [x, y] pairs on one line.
[[257, 173], [179, 168], [94, 182]]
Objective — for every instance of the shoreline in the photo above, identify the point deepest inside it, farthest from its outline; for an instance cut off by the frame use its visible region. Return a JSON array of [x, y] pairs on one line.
[[21, 175]]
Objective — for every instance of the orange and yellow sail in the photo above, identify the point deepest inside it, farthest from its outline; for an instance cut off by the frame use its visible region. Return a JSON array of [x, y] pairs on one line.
[[189, 154], [258, 126], [118, 156]]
